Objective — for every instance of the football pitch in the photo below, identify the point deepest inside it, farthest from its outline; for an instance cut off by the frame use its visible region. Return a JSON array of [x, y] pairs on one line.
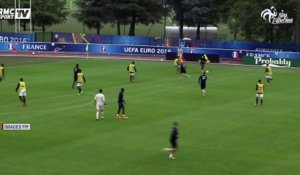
[[222, 133]]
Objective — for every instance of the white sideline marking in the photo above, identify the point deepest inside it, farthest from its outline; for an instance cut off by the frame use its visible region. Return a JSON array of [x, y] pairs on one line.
[[55, 109]]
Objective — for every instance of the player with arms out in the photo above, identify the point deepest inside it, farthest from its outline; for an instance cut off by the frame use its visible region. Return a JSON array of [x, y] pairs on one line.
[[121, 105], [75, 72], [2, 72], [21, 86], [131, 68], [259, 93], [268, 72], [100, 103], [80, 80], [202, 82]]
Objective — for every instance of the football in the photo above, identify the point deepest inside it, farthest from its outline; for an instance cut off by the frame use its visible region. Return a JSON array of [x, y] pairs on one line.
[[207, 71]]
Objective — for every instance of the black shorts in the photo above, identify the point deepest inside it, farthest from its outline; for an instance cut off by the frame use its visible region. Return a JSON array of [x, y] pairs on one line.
[[202, 66], [182, 70], [173, 143], [203, 86], [121, 105]]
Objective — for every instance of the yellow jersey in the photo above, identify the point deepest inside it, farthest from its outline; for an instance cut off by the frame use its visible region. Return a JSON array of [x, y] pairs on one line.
[[206, 58], [268, 71], [131, 68], [80, 78], [22, 86], [260, 88], [1, 71], [176, 62]]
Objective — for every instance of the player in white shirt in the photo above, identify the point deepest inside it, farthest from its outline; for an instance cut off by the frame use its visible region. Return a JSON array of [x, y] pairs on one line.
[[100, 103]]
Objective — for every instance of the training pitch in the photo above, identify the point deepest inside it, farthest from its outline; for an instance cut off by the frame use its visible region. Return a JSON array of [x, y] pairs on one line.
[[222, 133]]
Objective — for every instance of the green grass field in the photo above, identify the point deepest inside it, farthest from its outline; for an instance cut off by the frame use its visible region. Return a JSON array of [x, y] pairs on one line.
[[222, 133]]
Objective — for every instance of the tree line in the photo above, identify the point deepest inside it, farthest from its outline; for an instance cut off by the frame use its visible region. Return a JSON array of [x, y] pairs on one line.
[[242, 16]]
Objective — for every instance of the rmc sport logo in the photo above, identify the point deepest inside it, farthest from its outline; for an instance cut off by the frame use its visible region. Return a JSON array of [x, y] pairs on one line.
[[273, 17], [18, 13]]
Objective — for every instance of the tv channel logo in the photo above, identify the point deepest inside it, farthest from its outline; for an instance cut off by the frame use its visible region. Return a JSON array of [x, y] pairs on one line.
[[12, 13]]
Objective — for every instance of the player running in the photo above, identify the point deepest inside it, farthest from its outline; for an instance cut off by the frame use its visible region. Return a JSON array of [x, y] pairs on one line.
[[176, 63], [75, 72], [203, 61], [259, 93], [80, 80], [131, 68], [202, 82], [121, 105], [21, 86], [173, 140], [183, 71], [268, 72], [100, 103]]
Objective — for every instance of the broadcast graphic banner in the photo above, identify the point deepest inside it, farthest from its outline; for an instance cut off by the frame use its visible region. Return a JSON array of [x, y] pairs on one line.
[[276, 62], [77, 38], [16, 37], [134, 50]]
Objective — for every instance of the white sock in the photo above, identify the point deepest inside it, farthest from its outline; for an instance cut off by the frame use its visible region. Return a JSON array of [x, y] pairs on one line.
[[97, 115], [102, 114]]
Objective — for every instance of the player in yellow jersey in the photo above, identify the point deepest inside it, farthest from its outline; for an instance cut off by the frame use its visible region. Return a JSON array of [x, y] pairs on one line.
[[132, 70], [2, 73], [21, 87], [80, 81], [176, 63], [268, 72], [204, 59], [259, 93]]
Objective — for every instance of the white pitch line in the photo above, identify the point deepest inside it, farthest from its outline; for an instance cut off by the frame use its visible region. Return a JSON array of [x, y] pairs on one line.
[[168, 149], [54, 109], [34, 100]]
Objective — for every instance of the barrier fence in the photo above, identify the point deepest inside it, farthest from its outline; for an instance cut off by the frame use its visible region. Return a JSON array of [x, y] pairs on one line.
[[116, 49], [79, 38]]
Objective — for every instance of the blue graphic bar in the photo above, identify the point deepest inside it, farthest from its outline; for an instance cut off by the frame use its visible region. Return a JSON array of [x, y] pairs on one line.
[[224, 54]]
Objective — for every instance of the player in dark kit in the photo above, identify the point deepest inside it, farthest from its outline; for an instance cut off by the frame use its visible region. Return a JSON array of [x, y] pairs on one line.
[[202, 63], [202, 82], [183, 71], [173, 140], [75, 71], [121, 105]]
